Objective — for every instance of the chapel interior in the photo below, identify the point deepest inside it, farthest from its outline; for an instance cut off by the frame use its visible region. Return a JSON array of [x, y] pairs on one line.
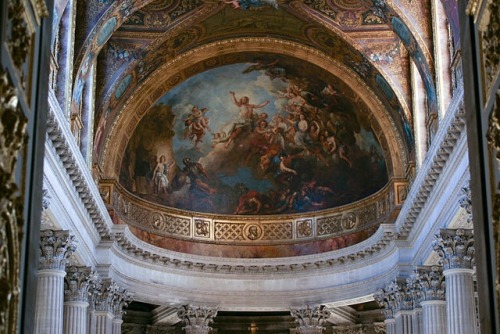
[[249, 166]]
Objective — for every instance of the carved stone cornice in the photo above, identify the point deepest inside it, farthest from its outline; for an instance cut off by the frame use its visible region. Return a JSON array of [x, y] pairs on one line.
[[346, 220], [197, 318], [310, 320], [131, 248], [76, 283], [12, 142], [451, 129], [431, 281], [56, 247], [456, 248], [72, 162]]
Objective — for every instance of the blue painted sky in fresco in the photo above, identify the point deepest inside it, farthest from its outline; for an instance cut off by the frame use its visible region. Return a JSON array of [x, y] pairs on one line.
[[210, 90]]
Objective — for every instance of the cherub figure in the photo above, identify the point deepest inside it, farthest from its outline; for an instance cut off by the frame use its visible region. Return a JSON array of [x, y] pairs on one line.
[[196, 125]]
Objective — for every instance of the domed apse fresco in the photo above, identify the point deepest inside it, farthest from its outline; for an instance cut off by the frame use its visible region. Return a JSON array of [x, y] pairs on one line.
[[276, 136]]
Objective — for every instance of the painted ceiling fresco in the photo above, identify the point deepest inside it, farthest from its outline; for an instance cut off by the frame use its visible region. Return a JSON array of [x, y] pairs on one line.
[[262, 138]]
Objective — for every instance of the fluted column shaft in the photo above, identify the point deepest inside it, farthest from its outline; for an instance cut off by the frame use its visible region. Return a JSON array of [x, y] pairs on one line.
[[49, 301], [456, 249], [404, 322], [75, 317], [103, 322], [117, 325], [433, 317], [417, 321], [460, 307], [390, 326], [55, 248]]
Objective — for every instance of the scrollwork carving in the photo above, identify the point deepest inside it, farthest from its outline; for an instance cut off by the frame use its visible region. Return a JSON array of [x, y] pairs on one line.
[[12, 140], [491, 43], [20, 40]]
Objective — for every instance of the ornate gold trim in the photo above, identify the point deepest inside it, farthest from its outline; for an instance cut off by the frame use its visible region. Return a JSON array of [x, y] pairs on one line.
[[12, 141]]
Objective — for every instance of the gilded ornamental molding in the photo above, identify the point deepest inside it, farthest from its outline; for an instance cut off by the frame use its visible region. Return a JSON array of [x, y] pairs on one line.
[[13, 139]]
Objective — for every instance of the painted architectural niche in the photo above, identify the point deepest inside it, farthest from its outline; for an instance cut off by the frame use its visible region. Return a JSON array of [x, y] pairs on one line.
[[259, 138]]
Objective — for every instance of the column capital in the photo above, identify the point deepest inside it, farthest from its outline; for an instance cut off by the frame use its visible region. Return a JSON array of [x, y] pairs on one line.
[[399, 295], [56, 247], [107, 296], [197, 318], [456, 248], [431, 281], [310, 320], [76, 283]]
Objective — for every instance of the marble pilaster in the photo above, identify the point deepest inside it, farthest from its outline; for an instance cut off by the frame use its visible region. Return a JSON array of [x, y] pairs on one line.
[[197, 318], [456, 249], [56, 247], [310, 320]]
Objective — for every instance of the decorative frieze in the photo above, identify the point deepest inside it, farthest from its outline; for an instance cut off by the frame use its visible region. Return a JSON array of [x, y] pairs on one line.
[[56, 247], [197, 318], [449, 132], [456, 248], [337, 222], [310, 320]]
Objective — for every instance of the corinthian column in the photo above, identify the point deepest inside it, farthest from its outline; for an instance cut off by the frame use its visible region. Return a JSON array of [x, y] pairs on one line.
[[76, 299], [400, 302], [106, 307], [456, 249], [56, 247], [385, 299], [310, 320], [431, 281], [196, 318]]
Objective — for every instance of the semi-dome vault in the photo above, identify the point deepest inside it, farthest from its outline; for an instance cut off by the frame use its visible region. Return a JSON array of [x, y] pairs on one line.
[[259, 125], [250, 162]]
